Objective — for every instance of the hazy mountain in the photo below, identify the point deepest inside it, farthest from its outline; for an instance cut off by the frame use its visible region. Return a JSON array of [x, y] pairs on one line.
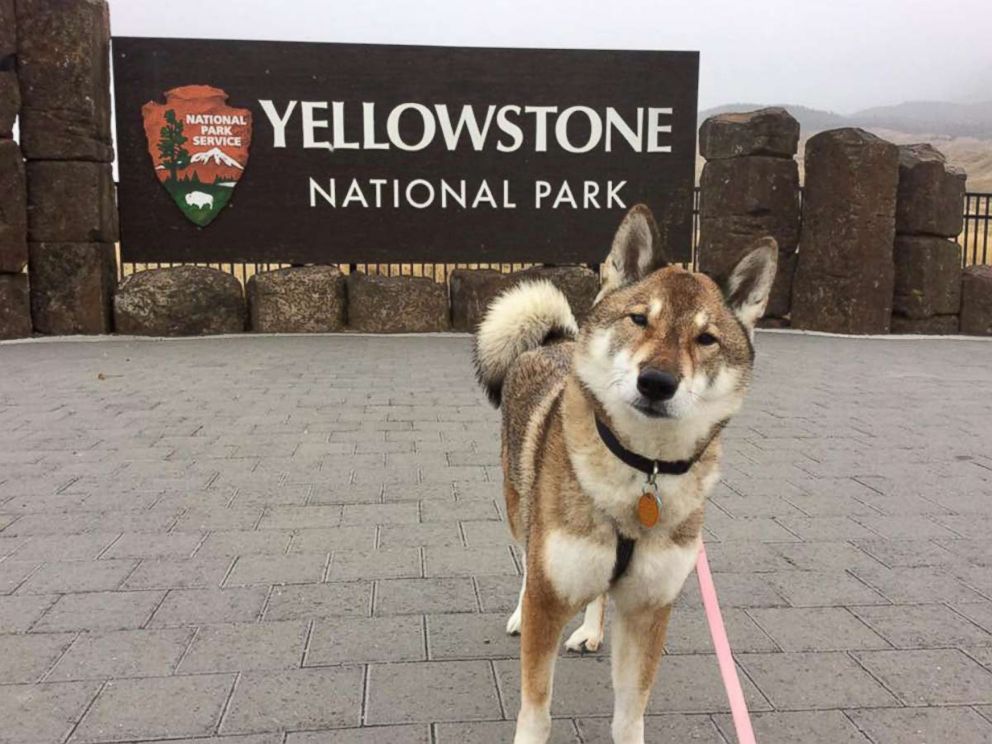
[[962, 131], [912, 117]]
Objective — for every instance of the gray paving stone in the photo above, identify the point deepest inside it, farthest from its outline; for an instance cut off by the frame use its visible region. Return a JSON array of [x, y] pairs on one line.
[[246, 647], [122, 653], [458, 561], [399, 513], [359, 537], [277, 569], [434, 691], [486, 532], [26, 658], [411, 734], [100, 611], [930, 677], [923, 585], [922, 725], [405, 596], [359, 640], [231, 543], [185, 573], [337, 599], [41, 714], [185, 607], [300, 517], [78, 576], [436, 534], [689, 633], [142, 545], [65, 547], [817, 629], [499, 593], [18, 613], [823, 556], [184, 706], [395, 563], [285, 701], [486, 732], [787, 727], [470, 636], [907, 553], [673, 728], [923, 626], [461, 510], [811, 681], [823, 588], [13, 573]]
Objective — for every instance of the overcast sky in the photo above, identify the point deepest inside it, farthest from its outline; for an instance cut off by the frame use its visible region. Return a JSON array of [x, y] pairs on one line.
[[841, 55]]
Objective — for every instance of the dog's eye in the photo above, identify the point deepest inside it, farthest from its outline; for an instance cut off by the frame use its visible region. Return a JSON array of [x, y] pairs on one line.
[[705, 339], [639, 319]]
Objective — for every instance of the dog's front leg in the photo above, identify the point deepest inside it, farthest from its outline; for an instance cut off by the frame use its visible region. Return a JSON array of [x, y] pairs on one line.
[[638, 639], [544, 616]]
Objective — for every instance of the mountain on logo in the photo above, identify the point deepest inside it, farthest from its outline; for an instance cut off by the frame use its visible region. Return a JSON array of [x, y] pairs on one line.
[[218, 156]]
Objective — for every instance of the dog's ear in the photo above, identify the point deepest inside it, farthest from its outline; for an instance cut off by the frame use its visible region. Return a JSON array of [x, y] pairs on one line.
[[750, 283], [635, 253]]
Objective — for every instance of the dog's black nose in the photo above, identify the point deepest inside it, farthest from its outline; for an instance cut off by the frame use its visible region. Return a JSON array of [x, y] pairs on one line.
[[655, 384]]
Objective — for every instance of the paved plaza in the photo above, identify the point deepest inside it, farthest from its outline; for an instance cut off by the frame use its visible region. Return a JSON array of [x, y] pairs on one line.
[[269, 539]]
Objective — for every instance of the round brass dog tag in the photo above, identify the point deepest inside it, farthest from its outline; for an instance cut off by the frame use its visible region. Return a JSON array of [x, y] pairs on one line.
[[647, 510]]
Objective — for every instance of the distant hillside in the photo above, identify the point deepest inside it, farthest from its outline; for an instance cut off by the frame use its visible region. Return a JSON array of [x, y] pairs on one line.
[[963, 132]]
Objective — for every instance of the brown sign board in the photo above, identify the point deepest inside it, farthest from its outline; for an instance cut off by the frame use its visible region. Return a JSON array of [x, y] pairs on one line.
[[390, 154]]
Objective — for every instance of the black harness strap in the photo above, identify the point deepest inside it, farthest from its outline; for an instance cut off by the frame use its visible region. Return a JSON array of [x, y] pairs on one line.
[[625, 551]]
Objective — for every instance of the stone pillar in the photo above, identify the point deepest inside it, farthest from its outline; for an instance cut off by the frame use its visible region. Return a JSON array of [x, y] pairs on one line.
[[63, 64], [929, 209], [844, 273], [749, 189], [15, 316]]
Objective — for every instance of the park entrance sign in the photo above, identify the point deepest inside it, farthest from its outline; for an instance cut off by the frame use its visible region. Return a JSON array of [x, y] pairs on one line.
[[362, 153]]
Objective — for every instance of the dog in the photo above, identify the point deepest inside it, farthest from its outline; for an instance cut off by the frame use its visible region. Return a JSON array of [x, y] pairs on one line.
[[610, 445]]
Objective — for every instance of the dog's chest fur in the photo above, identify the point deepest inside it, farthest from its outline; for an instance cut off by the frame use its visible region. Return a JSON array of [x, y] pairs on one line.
[[575, 495]]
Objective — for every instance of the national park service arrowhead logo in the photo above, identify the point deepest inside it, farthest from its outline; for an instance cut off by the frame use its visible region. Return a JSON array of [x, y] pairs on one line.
[[199, 147]]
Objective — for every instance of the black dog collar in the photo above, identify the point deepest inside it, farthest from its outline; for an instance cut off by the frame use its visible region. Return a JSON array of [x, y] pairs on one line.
[[645, 464]]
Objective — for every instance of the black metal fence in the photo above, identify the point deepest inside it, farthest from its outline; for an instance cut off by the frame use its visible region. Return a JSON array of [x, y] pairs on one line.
[[976, 236], [975, 239]]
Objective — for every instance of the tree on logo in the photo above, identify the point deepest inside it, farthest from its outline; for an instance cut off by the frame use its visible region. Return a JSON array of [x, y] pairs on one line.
[[174, 156]]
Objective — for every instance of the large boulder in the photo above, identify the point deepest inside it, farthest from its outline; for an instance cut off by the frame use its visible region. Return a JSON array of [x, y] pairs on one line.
[[928, 276], [768, 131], [13, 209], [181, 301], [742, 200], [10, 102], [936, 325], [72, 287], [10, 96], [472, 290], [15, 308], [396, 304], [579, 285], [931, 193], [63, 63], [307, 299], [976, 300], [71, 202], [844, 273]]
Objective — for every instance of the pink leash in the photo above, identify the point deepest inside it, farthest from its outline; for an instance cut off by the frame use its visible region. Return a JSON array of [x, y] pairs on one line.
[[728, 670]]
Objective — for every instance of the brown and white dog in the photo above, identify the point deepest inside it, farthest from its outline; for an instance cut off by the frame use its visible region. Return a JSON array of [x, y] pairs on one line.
[[658, 368]]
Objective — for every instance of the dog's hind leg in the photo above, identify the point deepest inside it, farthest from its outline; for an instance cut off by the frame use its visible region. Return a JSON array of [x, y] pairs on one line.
[[638, 639], [589, 635]]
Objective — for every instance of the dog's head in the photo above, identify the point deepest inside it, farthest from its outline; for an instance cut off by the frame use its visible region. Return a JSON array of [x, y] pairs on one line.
[[664, 347]]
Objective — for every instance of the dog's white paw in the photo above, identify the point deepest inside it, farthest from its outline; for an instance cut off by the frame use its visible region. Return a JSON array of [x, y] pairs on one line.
[[585, 639], [513, 623]]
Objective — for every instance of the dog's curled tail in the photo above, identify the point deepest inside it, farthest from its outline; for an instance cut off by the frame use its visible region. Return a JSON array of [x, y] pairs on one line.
[[522, 318]]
